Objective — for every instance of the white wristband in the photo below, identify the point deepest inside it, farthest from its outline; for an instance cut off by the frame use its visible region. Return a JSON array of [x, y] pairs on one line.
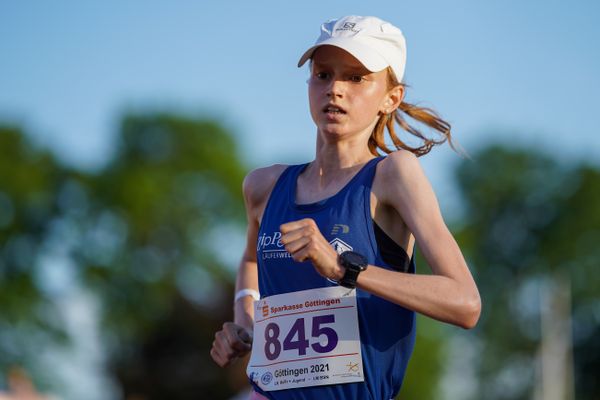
[[246, 292]]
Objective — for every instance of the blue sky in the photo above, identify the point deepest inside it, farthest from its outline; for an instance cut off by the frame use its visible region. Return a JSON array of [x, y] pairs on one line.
[[515, 71]]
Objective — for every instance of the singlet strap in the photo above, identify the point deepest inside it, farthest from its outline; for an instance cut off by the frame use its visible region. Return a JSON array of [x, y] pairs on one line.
[[364, 177]]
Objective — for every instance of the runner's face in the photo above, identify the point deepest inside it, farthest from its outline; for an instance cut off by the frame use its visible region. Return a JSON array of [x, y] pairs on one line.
[[345, 98]]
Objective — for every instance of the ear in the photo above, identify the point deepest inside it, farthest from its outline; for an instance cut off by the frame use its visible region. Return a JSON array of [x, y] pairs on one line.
[[392, 100]]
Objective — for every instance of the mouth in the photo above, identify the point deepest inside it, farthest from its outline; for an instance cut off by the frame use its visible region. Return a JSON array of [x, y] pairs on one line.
[[332, 109]]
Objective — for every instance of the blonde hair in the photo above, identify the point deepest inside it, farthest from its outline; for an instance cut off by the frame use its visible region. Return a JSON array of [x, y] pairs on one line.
[[424, 115]]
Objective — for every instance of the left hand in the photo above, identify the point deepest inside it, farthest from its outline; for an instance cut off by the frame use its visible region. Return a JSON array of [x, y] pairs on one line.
[[304, 241]]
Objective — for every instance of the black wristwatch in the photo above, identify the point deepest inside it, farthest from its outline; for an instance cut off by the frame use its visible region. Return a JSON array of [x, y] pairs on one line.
[[354, 264]]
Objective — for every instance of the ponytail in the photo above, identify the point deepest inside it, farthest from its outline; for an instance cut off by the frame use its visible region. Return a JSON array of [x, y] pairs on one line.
[[424, 115]]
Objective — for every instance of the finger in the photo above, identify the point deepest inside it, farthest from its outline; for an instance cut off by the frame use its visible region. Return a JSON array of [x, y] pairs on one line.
[[224, 360], [224, 353], [240, 347], [217, 357], [223, 345], [289, 226], [228, 332], [295, 235], [301, 255], [307, 230], [293, 225], [233, 334], [297, 245], [244, 340]]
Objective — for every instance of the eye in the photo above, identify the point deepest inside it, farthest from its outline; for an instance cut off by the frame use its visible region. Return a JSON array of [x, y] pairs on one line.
[[356, 78], [322, 75]]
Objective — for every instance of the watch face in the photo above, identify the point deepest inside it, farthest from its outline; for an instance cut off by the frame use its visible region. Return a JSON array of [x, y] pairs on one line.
[[354, 259], [354, 263]]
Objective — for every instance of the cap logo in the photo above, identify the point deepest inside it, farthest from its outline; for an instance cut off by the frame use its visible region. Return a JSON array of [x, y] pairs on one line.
[[348, 26]]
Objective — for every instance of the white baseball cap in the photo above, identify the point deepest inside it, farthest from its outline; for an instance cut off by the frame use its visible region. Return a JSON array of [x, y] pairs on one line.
[[377, 44]]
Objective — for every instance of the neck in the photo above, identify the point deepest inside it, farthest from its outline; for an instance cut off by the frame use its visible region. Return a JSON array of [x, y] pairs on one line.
[[336, 159]]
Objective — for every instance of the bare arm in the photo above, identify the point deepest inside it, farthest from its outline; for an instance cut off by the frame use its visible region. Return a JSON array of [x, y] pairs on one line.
[[234, 340], [450, 293], [247, 278]]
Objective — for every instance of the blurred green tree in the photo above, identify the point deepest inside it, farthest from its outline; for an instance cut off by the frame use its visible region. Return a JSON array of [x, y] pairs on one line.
[[531, 225], [149, 235], [162, 215], [29, 179]]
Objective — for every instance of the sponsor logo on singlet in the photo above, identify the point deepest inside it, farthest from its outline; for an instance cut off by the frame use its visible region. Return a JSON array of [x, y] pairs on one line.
[[270, 246], [339, 228], [340, 246]]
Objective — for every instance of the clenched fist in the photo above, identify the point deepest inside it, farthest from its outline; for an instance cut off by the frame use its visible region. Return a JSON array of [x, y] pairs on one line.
[[231, 342], [304, 241]]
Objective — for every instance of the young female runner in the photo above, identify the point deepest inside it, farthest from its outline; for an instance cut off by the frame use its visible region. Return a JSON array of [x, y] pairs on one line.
[[330, 243]]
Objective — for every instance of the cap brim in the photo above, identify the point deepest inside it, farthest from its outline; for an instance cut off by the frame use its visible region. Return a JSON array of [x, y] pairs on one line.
[[363, 53]]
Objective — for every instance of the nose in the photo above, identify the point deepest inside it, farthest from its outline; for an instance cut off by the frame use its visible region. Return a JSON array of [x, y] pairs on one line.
[[336, 88]]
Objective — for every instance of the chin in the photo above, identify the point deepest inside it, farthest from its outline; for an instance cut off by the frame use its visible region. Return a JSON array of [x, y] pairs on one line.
[[335, 132]]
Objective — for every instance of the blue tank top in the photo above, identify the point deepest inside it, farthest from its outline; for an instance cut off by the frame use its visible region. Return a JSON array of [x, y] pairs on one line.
[[387, 331]]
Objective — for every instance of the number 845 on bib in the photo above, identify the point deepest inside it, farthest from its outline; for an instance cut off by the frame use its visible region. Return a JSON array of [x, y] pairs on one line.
[[293, 332]]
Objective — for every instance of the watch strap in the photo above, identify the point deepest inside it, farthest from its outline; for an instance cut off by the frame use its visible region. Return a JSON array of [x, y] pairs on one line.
[[349, 278]]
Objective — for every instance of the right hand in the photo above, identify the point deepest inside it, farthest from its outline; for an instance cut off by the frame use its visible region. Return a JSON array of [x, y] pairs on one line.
[[231, 342]]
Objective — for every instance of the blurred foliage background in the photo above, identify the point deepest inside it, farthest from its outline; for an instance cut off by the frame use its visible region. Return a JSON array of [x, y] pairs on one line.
[[128, 268]]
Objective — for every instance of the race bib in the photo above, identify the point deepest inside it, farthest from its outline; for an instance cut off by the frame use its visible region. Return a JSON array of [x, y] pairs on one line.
[[306, 338]]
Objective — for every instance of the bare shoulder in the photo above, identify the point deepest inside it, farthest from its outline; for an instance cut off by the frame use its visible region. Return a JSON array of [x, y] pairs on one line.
[[401, 183], [258, 185], [400, 169]]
